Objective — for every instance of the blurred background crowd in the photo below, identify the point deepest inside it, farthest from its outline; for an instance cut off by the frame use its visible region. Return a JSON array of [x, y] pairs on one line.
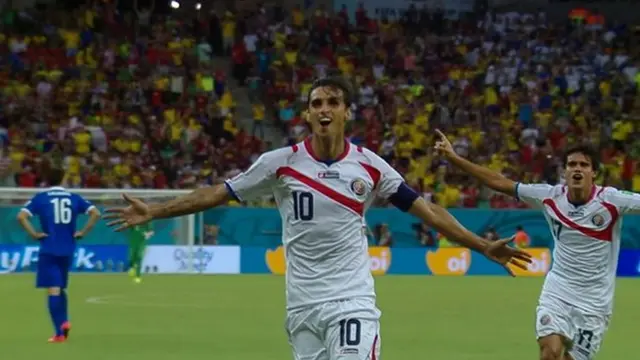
[[155, 94]]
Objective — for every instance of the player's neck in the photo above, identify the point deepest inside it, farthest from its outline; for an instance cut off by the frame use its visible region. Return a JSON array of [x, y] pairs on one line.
[[328, 147], [579, 195]]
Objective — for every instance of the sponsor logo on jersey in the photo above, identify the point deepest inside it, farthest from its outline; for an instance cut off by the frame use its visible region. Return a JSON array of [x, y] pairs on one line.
[[449, 261], [597, 220], [576, 213], [380, 260], [359, 187], [275, 260], [540, 263], [329, 175]]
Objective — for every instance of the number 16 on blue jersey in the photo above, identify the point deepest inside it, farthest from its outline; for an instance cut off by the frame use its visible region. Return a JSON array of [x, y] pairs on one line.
[[57, 209]]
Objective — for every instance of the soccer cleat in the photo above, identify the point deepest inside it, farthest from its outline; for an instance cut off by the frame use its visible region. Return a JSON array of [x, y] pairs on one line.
[[57, 339], [137, 280], [66, 329]]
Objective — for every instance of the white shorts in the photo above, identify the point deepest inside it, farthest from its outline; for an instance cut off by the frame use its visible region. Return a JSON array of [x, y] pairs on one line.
[[584, 332], [337, 330]]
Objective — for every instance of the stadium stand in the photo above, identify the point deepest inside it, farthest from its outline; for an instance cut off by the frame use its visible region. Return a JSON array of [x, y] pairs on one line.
[[189, 98]]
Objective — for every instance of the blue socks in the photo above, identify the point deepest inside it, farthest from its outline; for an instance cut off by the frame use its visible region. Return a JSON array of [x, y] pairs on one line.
[[58, 311], [65, 315]]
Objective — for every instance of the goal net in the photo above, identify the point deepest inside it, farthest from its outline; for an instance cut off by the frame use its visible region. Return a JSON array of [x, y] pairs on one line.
[[177, 231]]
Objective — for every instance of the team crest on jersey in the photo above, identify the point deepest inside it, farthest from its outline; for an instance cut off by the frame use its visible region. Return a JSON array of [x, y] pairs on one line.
[[597, 220], [545, 320], [359, 187]]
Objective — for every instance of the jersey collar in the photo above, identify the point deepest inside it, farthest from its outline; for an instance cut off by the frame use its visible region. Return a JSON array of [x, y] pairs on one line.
[[594, 190], [309, 148], [56, 188]]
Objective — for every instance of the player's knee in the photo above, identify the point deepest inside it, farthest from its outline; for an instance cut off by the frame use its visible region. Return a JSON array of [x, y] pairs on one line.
[[55, 291]]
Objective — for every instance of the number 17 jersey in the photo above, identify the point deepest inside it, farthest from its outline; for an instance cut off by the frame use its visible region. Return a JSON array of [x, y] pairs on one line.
[[587, 242], [322, 207]]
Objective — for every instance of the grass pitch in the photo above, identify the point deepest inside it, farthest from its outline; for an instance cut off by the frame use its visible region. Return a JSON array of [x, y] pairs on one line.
[[241, 317]]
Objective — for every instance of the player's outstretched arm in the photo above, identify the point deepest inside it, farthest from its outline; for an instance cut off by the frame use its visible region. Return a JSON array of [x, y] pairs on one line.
[[488, 177], [441, 220], [198, 200], [94, 216], [137, 212]]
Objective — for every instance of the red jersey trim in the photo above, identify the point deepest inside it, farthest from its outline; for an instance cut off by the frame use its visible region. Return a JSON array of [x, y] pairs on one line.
[[341, 199], [591, 196], [604, 235], [373, 172], [373, 348], [309, 148]]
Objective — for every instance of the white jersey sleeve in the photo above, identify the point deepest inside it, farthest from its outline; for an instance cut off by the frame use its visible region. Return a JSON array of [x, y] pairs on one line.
[[626, 202], [389, 180], [534, 194], [259, 179]]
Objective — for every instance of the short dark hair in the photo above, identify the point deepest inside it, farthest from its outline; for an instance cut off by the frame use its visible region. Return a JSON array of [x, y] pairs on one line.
[[336, 82], [55, 176], [585, 150]]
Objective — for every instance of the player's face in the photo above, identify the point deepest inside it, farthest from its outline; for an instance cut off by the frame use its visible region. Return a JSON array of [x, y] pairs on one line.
[[579, 171], [327, 112]]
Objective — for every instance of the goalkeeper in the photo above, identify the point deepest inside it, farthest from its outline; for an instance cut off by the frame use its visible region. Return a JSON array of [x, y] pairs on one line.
[[138, 237]]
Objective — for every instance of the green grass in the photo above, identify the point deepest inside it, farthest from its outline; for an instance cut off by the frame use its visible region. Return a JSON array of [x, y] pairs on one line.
[[242, 317]]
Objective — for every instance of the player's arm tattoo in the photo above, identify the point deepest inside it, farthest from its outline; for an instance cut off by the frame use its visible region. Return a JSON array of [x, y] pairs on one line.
[[490, 178], [94, 216], [198, 200], [441, 220]]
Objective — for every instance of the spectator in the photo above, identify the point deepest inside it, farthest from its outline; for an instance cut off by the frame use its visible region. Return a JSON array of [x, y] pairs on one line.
[[491, 234], [521, 239], [145, 102], [383, 235]]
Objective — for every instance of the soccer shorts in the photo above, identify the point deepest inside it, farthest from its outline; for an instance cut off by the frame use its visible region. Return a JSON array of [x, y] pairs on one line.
[[583, 332], [336, 330], [53, 271], [136, 251]]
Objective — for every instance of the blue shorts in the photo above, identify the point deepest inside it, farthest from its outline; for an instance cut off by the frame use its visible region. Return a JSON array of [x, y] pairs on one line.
[[53, 271]]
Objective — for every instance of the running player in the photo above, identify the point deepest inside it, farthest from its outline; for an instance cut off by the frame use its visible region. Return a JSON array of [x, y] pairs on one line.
[[57, 210], [138, 237], [585, 220], [323, 187]]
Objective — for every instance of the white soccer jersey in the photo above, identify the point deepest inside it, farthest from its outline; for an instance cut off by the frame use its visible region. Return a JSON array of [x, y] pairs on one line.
[[587, 242], [322, 208]]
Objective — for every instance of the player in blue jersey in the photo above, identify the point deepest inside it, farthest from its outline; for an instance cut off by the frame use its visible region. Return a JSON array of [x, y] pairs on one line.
[[57, 210]]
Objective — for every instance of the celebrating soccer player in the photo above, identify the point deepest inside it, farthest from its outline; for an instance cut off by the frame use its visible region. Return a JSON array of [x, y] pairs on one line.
[[323, 186], [585, 220], [57, 210]]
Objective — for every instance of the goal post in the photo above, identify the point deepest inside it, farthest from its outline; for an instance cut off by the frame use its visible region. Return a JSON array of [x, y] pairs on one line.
[[183, 231]]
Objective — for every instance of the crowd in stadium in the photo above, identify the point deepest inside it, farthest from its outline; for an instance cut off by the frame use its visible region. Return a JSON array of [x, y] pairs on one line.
[[136, 100]]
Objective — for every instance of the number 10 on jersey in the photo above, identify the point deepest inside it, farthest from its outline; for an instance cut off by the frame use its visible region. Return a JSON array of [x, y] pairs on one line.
[[302, 205]]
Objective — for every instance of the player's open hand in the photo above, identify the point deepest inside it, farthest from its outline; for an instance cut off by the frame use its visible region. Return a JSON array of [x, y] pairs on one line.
[[500, 252], [443, 146], [78, 235], [136, 213]]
